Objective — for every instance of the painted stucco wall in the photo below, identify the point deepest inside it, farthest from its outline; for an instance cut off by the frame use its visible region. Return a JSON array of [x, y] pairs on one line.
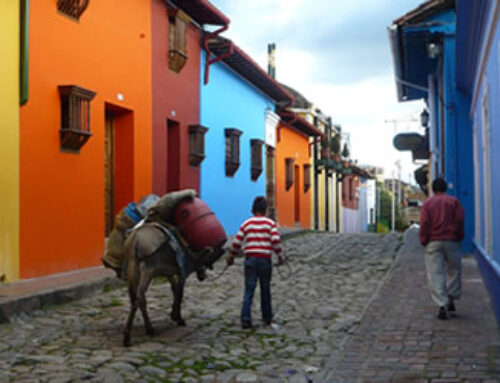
[[292, 144], [228, 101], [490, 93], [62, 194], [9, 140], [176, 96]]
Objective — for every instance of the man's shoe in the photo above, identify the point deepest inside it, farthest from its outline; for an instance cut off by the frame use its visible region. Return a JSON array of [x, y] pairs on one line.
[[246, 325], [442, 314], [451, 305]]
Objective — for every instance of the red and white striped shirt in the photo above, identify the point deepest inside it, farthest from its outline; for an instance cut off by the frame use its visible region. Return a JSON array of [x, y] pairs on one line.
[[257, 237]]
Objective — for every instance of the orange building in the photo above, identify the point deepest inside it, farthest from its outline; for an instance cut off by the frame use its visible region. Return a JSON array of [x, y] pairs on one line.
[[294, 172], [85, 130]]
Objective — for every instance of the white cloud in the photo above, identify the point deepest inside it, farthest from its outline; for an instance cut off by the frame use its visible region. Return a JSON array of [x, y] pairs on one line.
[[336, 53]]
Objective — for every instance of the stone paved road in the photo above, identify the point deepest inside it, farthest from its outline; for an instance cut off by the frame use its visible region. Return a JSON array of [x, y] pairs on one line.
[[401, 340], [333, 278]]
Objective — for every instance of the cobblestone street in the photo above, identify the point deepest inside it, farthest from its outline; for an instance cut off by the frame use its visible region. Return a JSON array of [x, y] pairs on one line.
[[316, 308]]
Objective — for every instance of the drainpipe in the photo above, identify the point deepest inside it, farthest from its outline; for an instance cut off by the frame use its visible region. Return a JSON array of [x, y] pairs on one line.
[[24, 67], [209, 61]]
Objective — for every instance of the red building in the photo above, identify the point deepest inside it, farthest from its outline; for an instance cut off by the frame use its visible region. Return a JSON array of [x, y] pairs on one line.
[[177, 39]]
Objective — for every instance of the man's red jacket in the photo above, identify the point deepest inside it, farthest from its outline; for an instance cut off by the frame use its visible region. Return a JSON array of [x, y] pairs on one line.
[[441, 219]]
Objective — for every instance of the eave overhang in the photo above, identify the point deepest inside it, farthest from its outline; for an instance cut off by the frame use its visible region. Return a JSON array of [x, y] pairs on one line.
[[202, 11], [247, 68], [409, 38], [470, 30], [299, 123]]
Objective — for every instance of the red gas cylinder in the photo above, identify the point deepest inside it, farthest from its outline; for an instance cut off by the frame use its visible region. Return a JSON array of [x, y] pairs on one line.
[[198, 224]]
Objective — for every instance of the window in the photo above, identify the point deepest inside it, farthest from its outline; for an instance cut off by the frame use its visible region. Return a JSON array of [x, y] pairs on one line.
[[196, 144], [256, 153], [72, 8], [289, 172], [177, 32], [307, 177], [232, 150], [75, 116]]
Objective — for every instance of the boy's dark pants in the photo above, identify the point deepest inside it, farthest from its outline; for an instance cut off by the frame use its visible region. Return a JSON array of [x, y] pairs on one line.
[[257, 269]]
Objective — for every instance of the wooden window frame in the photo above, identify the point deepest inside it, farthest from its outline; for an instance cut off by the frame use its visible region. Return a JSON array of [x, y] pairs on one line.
[[307, 177], [232, 138], [289, 171], [75, 116], [177, 39], [72, 8], [196, 144], [256, 158]]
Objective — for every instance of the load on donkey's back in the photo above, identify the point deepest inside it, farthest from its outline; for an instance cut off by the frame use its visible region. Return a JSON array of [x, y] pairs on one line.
[[179, 220]]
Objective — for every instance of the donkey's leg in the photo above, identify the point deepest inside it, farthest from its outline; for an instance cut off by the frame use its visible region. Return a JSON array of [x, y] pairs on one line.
[[178, 291], [130, 320], [146, 278]]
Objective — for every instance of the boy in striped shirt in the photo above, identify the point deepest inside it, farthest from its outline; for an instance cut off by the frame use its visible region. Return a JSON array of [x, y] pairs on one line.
[[258, 238]]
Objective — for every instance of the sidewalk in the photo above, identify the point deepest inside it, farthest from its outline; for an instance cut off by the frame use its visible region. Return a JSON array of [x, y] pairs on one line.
[[400, 339], [25, 296]]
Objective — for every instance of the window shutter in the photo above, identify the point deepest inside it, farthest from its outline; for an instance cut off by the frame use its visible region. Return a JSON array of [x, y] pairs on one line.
[[256, 160], [289, 172]]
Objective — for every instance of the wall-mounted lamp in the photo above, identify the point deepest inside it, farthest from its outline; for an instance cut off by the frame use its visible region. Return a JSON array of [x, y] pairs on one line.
[[424, 118], [433, 50]]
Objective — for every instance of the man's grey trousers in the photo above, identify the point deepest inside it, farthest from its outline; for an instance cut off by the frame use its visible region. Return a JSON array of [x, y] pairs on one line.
[[441, 258]]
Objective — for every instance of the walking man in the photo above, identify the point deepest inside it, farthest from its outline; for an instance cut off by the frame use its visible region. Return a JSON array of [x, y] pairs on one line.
[[441, 231]]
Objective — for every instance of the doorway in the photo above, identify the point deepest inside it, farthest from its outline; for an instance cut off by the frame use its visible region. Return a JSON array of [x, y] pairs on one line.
[[270, 182], [173, 156], [296, 176], [109, 171]]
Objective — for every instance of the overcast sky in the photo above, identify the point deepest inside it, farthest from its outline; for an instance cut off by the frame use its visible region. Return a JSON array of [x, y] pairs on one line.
[[337, 54]]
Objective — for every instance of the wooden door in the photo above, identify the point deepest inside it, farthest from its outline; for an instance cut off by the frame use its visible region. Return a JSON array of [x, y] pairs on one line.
[[296, 181], [109, 171], [270, 182]]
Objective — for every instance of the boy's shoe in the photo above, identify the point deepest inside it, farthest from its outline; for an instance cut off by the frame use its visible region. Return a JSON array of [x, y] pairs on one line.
[[451, 305], [442, 313], [246, 324]]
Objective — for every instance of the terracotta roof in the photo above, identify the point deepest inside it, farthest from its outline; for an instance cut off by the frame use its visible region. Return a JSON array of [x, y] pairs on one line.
[[300, 100], [423, 11], [246, 67], [202, 11], [299, 123]]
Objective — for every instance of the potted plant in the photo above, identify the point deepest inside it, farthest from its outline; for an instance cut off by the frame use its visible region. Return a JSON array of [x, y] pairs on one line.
[[325, 148], [335, 148]]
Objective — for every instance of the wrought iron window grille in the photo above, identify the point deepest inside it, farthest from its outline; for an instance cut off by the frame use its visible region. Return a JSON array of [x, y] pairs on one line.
[[232, 150], [75, 116], [72, 8], [256, 160], [289, 172], [196, 144]]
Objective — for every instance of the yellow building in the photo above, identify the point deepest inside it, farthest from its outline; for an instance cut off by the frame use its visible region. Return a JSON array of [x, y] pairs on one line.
[[9, 140], [327, 215]]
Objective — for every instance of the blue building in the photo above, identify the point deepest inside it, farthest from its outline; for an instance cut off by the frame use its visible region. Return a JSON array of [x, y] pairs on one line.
[[237, 106], [423, 45], [447, 52], [478, 82]]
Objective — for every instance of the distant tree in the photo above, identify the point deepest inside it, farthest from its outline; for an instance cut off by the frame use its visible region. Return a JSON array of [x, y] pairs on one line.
[[386, 210]]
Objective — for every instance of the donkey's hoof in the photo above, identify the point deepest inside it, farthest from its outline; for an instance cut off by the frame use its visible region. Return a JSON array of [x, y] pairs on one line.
[[126, 342], [181, 323], [150, 330]]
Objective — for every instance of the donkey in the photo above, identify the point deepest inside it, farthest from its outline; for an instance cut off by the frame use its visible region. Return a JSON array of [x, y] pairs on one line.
[[148, 256]]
